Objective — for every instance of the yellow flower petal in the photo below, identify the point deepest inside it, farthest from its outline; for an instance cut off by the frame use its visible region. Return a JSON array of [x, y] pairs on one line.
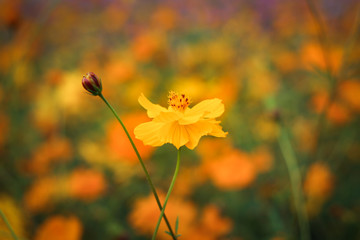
[[210, 108], [153, 110], [168, 116], [175, 134], [197, 130], [190, 118], [183, 126], [217, 131], [149, 133], [158, 133]]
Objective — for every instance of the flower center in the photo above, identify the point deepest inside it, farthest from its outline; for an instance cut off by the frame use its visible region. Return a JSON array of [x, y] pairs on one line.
[[178, 102]]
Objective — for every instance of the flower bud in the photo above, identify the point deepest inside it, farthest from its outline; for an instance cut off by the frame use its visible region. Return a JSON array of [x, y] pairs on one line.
[[92, 83]]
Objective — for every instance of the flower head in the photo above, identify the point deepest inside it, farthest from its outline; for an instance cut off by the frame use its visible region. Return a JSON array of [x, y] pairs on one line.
[[179, 124], [92, 83]]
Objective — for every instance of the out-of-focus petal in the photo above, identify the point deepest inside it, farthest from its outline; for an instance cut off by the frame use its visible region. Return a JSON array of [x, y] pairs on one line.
[[153, 110]]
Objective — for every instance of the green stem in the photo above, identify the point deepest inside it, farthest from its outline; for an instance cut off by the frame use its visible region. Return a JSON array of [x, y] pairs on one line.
[[295, 180], [142, 164], [8, 225], [168, 195]]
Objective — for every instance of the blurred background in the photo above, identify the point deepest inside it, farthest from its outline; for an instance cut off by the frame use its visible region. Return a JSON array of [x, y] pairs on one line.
[[287, 71]]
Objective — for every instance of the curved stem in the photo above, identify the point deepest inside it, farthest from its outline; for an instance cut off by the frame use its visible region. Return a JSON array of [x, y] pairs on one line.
[[295, 180], [168, 195], [8, 225], [142, 164]]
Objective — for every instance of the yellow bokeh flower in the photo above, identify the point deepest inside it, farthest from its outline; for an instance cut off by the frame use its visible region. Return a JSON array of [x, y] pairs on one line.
[[179, 124]]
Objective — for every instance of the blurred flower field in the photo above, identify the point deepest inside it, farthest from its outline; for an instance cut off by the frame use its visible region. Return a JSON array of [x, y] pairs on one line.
[[288, 73]]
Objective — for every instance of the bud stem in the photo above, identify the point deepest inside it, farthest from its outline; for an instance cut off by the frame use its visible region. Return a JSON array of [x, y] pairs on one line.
[[142, 164]]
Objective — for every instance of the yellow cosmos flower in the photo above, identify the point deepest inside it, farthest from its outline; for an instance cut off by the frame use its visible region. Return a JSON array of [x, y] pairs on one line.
[[179, 124]]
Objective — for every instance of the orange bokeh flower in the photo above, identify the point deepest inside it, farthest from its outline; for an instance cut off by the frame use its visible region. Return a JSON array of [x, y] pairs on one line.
[[234, 170], [319, 181], [262, 159], [188, 179], [86, 184], [119, 143], [164, 18], [312, 56], [212, 225], [208, 225], [319, 101], [145, 214], [146, 45], [60, 228], [286, 61], [119, 71], [230, 168], [337, 112], [10, 12], [212, 148], [114, 17], [318, 186], [350, 92], [55, 149], [40, 194]]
